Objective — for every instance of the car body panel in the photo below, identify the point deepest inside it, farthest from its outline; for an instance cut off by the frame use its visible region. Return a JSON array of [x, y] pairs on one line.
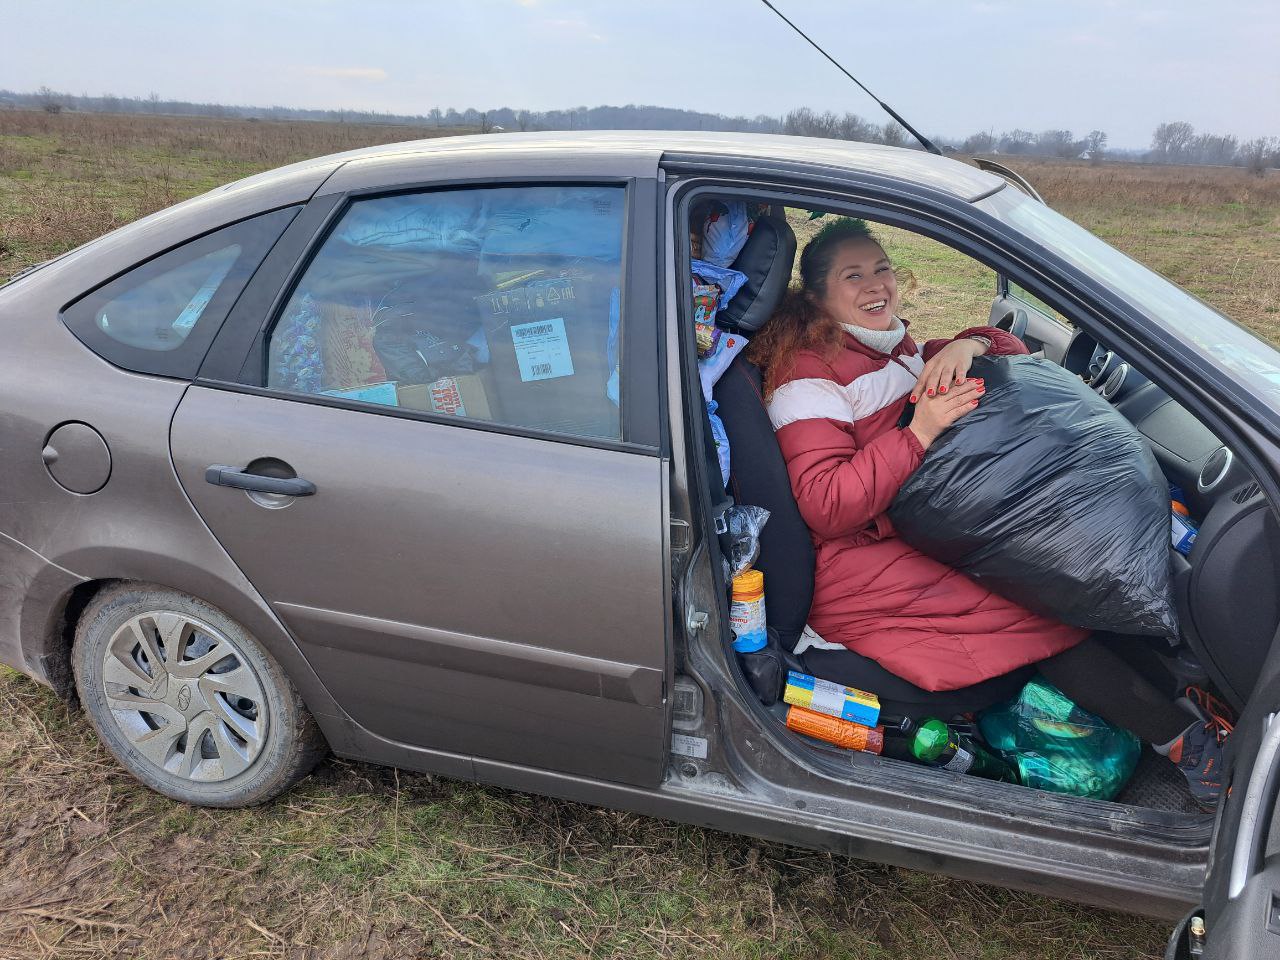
[[439, 578], [139, 526]]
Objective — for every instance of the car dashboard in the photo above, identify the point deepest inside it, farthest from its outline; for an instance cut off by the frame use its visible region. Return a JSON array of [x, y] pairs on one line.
[[1226, 588]]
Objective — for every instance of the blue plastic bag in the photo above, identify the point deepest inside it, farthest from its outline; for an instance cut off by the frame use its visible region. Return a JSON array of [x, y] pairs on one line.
[[729, 281], [725, 234]]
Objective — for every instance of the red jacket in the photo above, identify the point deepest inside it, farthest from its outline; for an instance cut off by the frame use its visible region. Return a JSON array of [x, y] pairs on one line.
[[837, 426]]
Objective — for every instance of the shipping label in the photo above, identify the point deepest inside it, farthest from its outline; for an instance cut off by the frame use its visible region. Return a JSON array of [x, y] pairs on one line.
[[542, 349]]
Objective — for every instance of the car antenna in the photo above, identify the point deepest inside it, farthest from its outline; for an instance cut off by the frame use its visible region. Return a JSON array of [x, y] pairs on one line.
[[924, 141]]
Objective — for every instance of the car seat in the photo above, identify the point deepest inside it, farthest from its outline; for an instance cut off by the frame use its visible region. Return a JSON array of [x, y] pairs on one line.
[[758, 476]]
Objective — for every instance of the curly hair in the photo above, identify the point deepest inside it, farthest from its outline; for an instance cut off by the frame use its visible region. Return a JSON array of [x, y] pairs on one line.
[[798, 324]]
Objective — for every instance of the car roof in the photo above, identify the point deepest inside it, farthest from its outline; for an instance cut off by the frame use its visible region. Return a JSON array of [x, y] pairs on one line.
[[579, 149]]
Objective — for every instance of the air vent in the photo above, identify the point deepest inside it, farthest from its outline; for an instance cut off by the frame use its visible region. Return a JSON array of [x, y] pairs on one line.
[[1216, 466], [1247, 492]]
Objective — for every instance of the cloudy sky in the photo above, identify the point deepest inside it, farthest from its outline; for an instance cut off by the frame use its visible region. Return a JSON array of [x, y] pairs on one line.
[[950, 66]]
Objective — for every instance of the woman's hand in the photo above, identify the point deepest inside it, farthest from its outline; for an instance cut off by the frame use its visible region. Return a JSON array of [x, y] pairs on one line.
[[947, 369], [936, 411]]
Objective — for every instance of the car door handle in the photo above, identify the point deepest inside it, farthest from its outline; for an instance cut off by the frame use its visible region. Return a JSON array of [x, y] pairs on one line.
[[224, 476]]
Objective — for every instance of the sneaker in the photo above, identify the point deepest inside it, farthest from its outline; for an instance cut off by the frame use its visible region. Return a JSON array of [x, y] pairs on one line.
[[1198, 754], [1208, 707]]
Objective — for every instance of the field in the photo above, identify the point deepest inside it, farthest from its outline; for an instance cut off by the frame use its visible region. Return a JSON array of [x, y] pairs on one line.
[[361, 861]]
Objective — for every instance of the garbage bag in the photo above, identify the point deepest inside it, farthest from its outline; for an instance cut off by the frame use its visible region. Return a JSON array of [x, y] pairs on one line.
[[1056, 745], [1049, 497]]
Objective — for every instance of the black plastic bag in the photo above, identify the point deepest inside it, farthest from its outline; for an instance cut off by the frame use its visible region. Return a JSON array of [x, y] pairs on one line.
[[1049, 497], [765, 669]]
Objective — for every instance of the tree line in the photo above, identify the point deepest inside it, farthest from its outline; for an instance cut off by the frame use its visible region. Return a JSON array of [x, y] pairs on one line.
[[1172, 142]]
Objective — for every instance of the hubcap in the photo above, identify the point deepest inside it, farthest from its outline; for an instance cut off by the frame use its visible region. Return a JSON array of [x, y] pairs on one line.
[[185, 696]]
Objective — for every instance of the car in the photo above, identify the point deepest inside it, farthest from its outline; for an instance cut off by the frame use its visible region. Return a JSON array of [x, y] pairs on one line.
[[402, 454]]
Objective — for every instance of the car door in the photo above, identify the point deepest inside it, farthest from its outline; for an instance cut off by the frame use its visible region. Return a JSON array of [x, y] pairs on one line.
[[1240, 915], [440, 465]]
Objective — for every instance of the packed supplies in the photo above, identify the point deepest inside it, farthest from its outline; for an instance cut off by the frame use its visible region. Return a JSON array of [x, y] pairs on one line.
[[1056, 745]]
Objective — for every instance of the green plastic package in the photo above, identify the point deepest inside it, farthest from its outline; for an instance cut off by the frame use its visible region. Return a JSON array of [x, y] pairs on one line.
[[1056, 745]]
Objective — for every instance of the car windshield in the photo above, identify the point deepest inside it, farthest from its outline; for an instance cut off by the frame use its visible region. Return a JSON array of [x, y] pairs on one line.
[[1254, 363]]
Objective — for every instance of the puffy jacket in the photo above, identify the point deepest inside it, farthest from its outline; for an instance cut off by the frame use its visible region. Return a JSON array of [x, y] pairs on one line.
[[837, 427]]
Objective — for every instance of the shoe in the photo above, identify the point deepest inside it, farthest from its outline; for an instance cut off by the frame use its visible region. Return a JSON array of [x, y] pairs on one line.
[[1198, 754], [1208, 707]]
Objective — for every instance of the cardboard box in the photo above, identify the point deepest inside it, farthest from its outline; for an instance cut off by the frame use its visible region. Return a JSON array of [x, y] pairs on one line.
[[384, 393], [461, 396]]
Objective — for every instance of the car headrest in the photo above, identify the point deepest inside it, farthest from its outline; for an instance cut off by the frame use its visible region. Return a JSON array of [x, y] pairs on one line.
[[766, 259]]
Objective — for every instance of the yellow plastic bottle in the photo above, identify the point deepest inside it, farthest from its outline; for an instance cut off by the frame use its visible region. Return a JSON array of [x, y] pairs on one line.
[[746, 612]]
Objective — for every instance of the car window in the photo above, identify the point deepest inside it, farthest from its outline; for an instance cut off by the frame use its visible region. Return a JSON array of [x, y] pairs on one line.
[[943, 291], [159, 312], [1031, 300], [497, 304], [160, 317]]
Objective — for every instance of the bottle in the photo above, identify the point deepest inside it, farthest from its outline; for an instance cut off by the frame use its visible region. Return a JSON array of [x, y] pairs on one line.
[[851, 736], [1183, 529], [746, 612], [937, 745]]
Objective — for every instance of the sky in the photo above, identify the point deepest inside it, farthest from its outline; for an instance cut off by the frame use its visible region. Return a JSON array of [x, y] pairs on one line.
[[951, 67]]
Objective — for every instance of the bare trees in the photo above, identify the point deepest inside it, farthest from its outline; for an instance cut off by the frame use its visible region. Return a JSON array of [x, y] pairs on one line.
[[1095, 145], [1178, 142], [1259, 154], [803, 122]]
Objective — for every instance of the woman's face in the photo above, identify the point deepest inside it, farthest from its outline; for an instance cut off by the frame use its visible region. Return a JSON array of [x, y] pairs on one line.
[[861, 287]]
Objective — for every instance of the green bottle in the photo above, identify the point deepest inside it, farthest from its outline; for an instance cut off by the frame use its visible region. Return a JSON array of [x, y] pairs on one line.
[[937, 745]]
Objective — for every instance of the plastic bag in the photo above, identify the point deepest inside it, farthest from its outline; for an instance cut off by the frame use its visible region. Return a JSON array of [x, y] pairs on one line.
[[721, 439], [1056, 745], [765, 669], [725, 233], [712, 367], [729, 281], [1049, 497], [745, 524]]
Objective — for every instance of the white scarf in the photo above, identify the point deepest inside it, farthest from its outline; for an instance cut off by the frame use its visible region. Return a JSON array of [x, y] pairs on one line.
[[881, 340]]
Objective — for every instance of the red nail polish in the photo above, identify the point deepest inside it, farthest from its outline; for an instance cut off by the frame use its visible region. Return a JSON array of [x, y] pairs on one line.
[[931, 391], [913, 398], [973, 403], [943, 389], [981, 391]]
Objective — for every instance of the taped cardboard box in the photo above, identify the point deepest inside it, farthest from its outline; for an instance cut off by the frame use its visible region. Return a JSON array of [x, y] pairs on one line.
[[460, 396]]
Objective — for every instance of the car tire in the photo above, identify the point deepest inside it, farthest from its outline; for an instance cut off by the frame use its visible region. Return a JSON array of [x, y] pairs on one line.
[[188, 701]]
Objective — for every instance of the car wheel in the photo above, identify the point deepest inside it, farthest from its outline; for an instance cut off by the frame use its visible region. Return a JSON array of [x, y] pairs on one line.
[[188, 701]]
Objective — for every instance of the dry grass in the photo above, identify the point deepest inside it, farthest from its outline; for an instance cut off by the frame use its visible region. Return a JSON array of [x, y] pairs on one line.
[[362, 861]]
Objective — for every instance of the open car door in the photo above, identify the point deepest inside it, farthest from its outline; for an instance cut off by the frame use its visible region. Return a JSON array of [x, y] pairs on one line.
[[1240, 915]]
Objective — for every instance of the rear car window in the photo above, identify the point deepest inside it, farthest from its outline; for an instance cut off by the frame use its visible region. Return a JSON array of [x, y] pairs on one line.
[[496, 304], [161, 316]]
